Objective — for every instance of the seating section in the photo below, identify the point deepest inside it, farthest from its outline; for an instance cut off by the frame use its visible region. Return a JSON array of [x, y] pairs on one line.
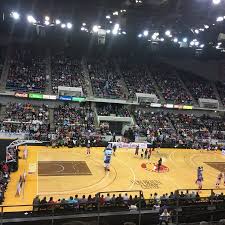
[[110, 109], [2, 59], [152, 121], [73, 121], [124, 201], [28, 118], [27, 71], [198, 87], [66, 71], [169, 84], [136, 79], [105, 79], [221, 90]]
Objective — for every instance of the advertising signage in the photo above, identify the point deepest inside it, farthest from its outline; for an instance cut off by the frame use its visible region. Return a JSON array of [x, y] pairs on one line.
[[78, 99], [65, 98], [36, 95]]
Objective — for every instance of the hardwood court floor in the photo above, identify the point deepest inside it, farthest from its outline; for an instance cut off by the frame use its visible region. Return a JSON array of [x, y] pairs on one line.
[[64, 172]]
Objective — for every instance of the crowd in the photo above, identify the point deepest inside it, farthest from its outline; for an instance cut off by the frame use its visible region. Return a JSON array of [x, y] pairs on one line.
[[4, 179], [170, 86], [221, 90], [154, 201], [180, 129], [2, 60], [73, 125], [26, 118], [27, 71], [104, 79], [109, 109], [198, 87], [137, 79], [66, 71]]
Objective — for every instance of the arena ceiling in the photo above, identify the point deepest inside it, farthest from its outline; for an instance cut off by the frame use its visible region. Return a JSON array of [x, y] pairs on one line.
[[148, 12]]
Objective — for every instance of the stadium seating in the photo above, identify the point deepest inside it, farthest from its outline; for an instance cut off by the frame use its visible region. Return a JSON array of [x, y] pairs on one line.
[[136, 79], [33, 120], [104, 78], [27, 71], [66, 71], [170, 85], [198, 87]]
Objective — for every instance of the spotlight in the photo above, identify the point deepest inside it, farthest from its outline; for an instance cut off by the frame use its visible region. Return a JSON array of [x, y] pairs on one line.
[[110, 21], [139, 35], [168, 33], [175, 40], [84, 24], [197, 31], [108, 17], [196, 43], [114, 32], [69, 25], [219, 19], [192, 43], [185, 40], [145, 33], [95, 28], [202, 46], [124, 32], [108, 31], [47, 18], [216, 2], [46, 22], [117, 26], [154, 37], [57, 22], [15, 15], [31, 19], [162, 39], [206, 26], [63, 25], [115, 13]]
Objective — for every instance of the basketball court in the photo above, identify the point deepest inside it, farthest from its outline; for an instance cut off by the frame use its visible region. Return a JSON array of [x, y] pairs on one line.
[[63, 172]]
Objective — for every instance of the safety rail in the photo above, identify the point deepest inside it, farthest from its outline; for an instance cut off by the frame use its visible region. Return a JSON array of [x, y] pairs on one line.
[[178, 206]]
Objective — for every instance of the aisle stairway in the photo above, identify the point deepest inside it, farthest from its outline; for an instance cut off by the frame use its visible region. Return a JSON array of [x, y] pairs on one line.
[[48, 89], [5, 70], [217, 94], [121, 81], [187, 90], [51, 119], [86, 77], [158, 92]]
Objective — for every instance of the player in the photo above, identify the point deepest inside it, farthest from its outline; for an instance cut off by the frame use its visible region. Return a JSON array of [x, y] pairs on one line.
[[159, 164], [149, 154], [114, 149], [219, 179], [199, 177], [88, 147], [25, 152], [146, 153], [136, 150], [224, 178], [107, 157]]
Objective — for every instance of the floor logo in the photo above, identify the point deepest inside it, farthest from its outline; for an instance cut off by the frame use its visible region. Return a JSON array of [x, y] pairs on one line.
[[154, 167], [147, 184]]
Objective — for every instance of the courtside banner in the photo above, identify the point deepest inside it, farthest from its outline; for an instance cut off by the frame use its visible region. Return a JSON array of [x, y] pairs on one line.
[[21, 95], [51, 97], [36, 95], [129, 145], [65, 98]]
